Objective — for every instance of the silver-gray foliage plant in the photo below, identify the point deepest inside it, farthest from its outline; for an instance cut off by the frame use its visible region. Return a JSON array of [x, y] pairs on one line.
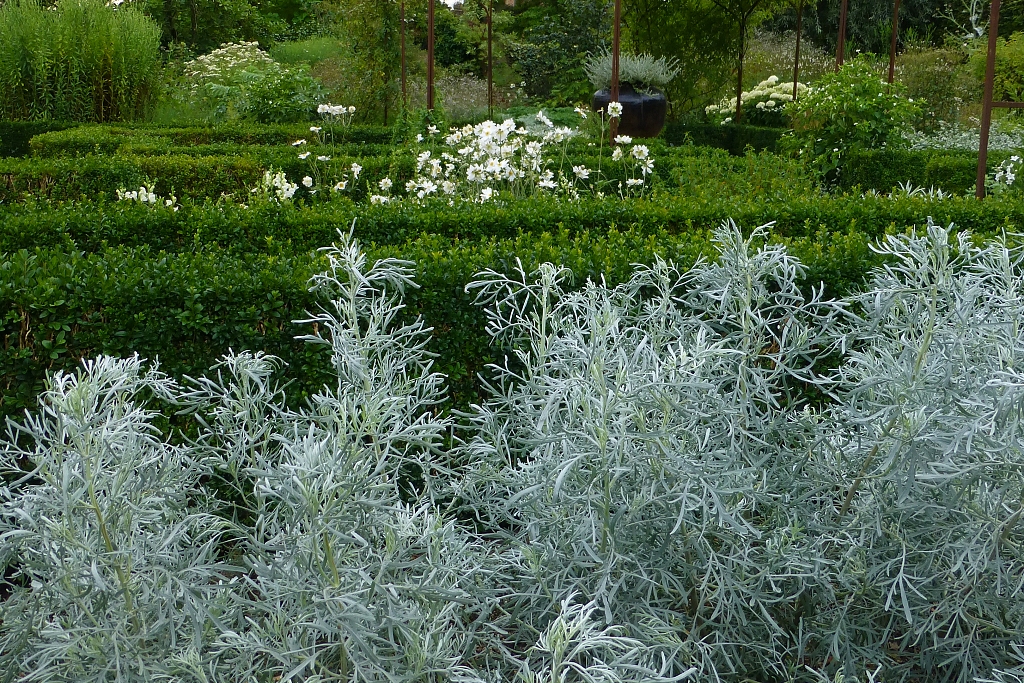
[[702, 475]]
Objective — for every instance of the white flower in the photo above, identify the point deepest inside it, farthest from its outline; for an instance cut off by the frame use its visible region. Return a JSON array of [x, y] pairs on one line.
[[640, 152], [307, 181], [351, 109], [356, 168], [647, 167], [580, 111], [770, 104], [760, 105], [419, 137], [474, 173], [431, 130], [616, 154], [582, 172], [385, 184], [544, 119], [547, 184], [448, 187], [315, 129], [340, 186], [304, 155], [323, 158], [379, 199], [727, 120], [633, 182], [623, 139], [298, 143], [486, 194], [614, 109]]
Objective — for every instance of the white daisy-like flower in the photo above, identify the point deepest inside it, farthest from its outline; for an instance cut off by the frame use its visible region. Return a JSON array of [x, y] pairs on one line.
[[304, 155], [640, 152], [323, 157], [307, 181], [582, 172], [614, 109], [341, 186], [486, 194], [385, 184], [356, 168], [299, 143], [315, 129], [623, 140], [617, 154]]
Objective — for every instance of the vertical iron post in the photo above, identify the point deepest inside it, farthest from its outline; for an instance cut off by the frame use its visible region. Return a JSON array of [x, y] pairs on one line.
[[986, 105], [613, 126], [490, 59], [892, 44], [430, 54], [841, 42], [405, 91], [796, 57]]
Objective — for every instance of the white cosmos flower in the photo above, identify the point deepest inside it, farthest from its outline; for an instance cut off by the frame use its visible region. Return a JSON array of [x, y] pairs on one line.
[[623, 139], [486, 194], [582, 172], [580, 111], [633, 182], [304, 155], [431, 130], [307, 181], [379, 199], [323, 157], [544, 119], [647, 166], [448, 187], [385, 184], [614, 109], [340, 186], [298, 143], [640, 152], [419, 137], [315, 129], [616, 154]]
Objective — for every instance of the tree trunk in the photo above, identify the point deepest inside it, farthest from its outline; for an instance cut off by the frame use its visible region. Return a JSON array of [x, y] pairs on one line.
[[739, 71]]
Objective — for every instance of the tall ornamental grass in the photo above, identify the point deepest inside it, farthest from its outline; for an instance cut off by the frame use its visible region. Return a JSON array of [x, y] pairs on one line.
[[703, 475], [79, 61]]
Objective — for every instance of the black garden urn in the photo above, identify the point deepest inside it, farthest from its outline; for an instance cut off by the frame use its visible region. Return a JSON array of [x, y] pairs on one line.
[[643, 113]]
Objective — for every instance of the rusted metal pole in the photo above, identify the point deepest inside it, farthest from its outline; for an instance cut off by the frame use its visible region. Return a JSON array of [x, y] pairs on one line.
[[490, 59], [986, 103], [405, 90], [796, 57], [841, 42], [430, 54], [613, 126], [892, 44]]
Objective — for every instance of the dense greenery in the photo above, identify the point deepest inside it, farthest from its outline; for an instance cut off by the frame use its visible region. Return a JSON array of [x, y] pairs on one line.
[[81, 61]]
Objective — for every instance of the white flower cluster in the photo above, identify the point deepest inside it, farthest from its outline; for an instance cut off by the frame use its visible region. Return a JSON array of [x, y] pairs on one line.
[[491, 160], [1005, 174], [767, 96], [335, 114], [145, 195], [275, 185], [226, 62]]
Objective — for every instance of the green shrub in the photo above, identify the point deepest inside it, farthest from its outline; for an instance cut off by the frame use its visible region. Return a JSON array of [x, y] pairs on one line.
[[849, 111], [170, 140], [82, 61], [1009, 75], [16, 136], [730, 137], [883, 170]]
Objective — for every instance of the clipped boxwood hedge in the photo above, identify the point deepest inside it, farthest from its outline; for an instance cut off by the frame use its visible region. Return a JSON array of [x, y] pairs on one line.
[[263, 227], [730, 137], [108, 139], [883, 170], [186, 309], [15, 136]]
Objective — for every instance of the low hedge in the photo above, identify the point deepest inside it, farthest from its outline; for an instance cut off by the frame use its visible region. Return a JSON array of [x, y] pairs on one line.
[[107, 139], [187, 309], [733, 138], [15, 136], [198, 177], [289, 229], [883, 170]]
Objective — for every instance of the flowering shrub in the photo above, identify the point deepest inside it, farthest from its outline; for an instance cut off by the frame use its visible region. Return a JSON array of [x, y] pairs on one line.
[[1002, 179], [850, 110], [488, 162], [238, 80], [145, 195], [762, 106]]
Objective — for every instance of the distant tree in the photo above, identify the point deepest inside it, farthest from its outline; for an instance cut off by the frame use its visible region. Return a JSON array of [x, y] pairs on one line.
[[744, 15], [695, 32]]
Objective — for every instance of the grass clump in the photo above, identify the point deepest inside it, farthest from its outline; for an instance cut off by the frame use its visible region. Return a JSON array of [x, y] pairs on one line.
[[79, 61]]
